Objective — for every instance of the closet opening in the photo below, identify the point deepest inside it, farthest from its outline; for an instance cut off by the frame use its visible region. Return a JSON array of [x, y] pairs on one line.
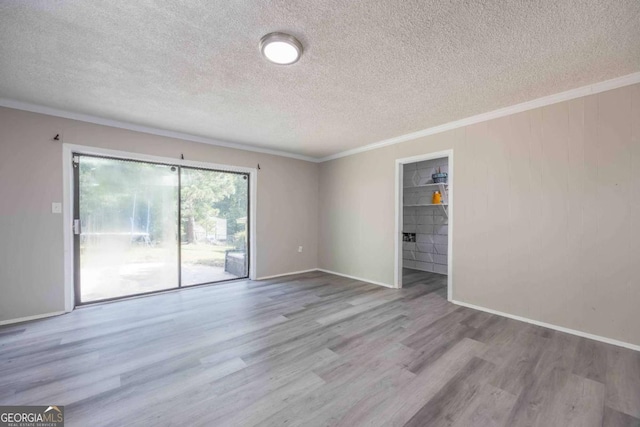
[[423, 221]]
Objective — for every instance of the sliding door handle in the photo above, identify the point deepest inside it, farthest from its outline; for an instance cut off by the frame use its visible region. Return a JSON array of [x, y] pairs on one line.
[[76, 226]]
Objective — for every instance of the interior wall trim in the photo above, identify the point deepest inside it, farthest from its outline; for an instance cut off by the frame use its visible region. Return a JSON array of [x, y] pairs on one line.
[[49, 111], [348, 276], [518, 108], [28, 318], [592, 89], [552, 326]]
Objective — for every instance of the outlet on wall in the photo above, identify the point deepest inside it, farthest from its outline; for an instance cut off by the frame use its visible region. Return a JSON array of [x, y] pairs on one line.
[[56, 207], [299, 249]]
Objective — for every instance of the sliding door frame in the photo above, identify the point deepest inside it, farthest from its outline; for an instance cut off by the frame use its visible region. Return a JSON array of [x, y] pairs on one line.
[[68, 206]]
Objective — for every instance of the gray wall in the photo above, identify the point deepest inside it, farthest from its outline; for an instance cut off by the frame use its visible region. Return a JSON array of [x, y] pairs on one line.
[[546, 213], [31, 245], [430, 223]]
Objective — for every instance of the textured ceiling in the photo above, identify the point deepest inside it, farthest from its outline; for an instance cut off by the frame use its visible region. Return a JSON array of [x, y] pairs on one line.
[[371, 70]]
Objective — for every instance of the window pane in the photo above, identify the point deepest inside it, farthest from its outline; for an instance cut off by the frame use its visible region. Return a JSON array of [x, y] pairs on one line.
[[214, 211], [129, 218]]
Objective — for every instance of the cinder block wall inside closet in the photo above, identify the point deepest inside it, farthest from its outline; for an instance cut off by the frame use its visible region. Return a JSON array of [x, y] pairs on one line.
[[429, 251]]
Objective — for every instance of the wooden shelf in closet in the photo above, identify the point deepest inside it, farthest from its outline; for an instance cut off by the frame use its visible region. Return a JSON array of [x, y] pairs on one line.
[[425, 204], [438, 184]]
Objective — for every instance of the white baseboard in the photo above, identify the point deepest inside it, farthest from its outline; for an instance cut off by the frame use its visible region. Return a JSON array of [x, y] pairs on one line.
[[373, 282], [386, 285], [550, 326], [287, 274], [28, 318]]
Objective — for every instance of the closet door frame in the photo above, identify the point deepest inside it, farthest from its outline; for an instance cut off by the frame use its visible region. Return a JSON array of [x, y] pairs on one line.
[[399, 212], [69, 205]]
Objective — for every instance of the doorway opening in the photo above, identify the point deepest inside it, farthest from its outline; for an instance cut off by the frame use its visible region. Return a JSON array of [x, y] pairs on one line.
[[142, 227], [423, 221]]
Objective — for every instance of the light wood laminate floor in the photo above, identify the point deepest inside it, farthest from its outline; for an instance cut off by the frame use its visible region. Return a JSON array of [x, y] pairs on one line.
[[313, 350]]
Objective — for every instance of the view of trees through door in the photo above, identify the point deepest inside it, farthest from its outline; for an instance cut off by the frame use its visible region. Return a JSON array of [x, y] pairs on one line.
[[214, 207], [145, 227]]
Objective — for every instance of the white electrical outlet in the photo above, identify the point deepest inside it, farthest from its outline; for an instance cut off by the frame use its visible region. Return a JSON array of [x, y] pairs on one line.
[[56, 207], [299, 249]]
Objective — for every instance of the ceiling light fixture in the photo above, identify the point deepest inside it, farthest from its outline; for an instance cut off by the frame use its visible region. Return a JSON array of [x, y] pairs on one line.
[[281, 48]]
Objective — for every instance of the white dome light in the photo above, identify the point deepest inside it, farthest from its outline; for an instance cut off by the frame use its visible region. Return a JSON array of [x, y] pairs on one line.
[[281, 48]]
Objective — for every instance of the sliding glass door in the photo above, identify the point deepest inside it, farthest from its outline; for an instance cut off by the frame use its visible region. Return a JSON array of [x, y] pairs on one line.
[[214, 210], [144, 227]]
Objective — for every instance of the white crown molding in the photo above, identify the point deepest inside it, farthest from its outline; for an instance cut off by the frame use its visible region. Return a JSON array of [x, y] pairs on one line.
[[34, 108], [518, 108]]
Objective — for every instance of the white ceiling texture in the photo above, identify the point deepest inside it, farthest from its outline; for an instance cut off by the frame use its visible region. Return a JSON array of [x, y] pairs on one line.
[[371, 70]]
